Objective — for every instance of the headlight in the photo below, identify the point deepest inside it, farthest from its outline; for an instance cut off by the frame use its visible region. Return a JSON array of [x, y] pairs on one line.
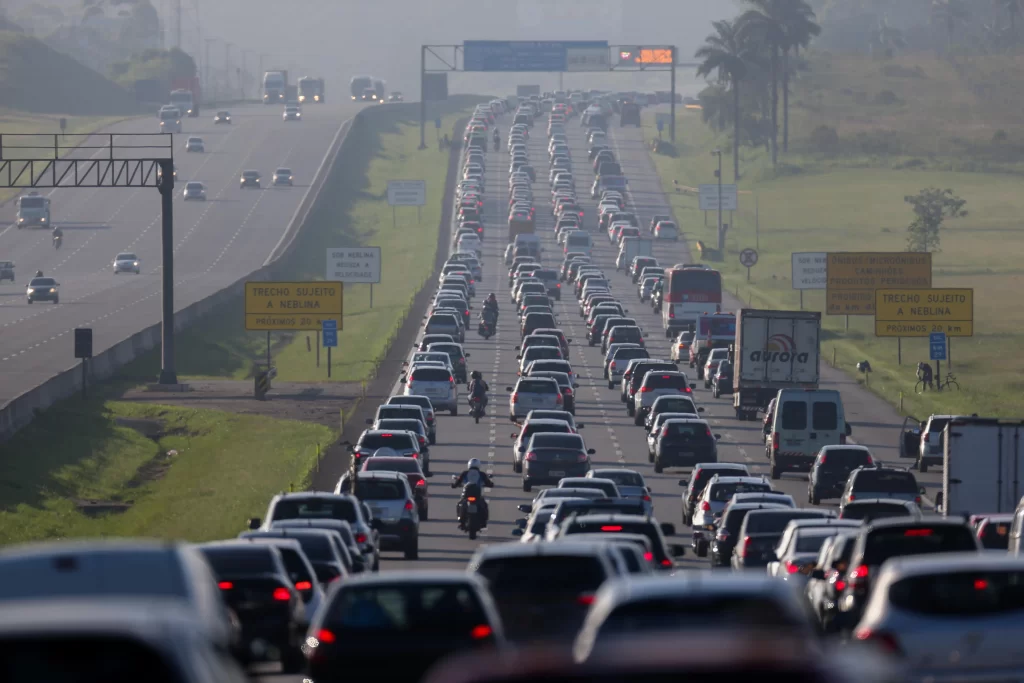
[[53, 290], [30, 290], [21, 220], [136, 263], [302, 98]]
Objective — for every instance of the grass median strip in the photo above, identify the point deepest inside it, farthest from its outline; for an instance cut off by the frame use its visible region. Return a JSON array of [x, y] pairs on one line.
[[812, 207], [114, 468]]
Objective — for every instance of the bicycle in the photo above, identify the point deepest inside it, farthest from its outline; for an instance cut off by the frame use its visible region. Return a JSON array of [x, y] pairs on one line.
[[948, 383]]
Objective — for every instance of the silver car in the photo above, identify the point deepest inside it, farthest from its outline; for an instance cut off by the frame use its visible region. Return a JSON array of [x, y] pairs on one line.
[[194, 190], [292, 114], [445, 323], [797, 550], [630, 483], [195, 144], [436, 383], [126, 262], [394, 509], [533, 393]]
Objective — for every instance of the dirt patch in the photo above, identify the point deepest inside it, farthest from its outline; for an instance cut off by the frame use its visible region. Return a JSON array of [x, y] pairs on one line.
[[149, 428], [152, 470], [95, 508]]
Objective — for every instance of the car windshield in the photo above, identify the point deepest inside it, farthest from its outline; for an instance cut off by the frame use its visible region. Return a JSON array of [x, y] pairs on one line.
[[42, 282], [900, 541], [722, 493], [697, 612], [250, 174], [380, 489], [621, 478], [32, 202], [396, 440], [126, 257]]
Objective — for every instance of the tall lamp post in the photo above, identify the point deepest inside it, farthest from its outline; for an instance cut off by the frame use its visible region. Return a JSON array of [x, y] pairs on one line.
[[718, 175]]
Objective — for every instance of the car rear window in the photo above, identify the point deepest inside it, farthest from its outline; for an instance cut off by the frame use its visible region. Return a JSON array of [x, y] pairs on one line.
[[241, 560], [52, 656], [775, 522], [314, 508], [825, 416], [960, 594], [430, 375], [869, 511], [407, 425], [556, 440], [794, 415], [557, 575], [811, 543], [442, 319], [667, 380], [899, 541], [390, 440], [543, 353], [416, 608], [626, 334], [722, 493], [697, 612], [537, 386], [623, 478], [396, 412], [536, 320], [885, 481], [688, 431], [380, 489], [676, 405], [560, 377], [629, 354], [546, 274], [405, 465], [846, 458], [641, 369], [531, 429]]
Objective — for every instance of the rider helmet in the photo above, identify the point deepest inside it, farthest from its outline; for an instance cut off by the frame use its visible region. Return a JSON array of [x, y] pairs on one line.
[[476, 375], [473, 464]]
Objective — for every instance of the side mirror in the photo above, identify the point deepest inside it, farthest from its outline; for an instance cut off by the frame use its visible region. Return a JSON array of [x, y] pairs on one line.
[[405, 363], [254, 523], [580, 426], [684, 482], [518, 348], [668, 529], [508, 388], [519, 357], [568, 341], [849, 429], [940, 501], [921, 490], [591, 451], [677, 550], [524, 507], [514, 435], [700, 410], [521, 522], [518, 532], [467, 355], [693, 385], [718, 437], [402, 381]]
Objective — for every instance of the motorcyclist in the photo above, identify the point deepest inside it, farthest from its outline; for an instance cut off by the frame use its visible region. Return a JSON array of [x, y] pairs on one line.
[[497, 139], [58, 235], [39, 273], [473, 475], [491, 303], [478, 389]]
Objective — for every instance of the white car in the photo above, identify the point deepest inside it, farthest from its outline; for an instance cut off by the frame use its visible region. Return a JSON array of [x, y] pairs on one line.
[[292, 114], [666, 230], [126, 262], [195, 144], [194, 190]]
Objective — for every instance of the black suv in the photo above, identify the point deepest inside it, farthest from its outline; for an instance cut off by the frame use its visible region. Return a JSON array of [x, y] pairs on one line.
[[831, 468]]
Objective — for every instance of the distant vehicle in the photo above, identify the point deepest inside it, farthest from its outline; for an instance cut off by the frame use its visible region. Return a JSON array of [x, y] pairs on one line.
[[378, 86], [170, 121], [629, 114], [311, 89], [222, 117], [250, 179], [396, 97], [292, 113], [369, 95], [194, 190], [283, 176], [359, 85], [33, 209], [275, 83], [43, 289], [6, 271], [182, 100], [195, 144], [126, 262]]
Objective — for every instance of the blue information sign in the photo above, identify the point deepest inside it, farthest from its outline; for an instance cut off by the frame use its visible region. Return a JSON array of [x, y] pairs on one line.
[[437, 123], [521, 55], [330, 332], [661, 125], [937, 345]]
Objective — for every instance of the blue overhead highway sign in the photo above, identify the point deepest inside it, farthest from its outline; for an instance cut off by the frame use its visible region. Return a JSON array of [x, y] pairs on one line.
[[527, 55]]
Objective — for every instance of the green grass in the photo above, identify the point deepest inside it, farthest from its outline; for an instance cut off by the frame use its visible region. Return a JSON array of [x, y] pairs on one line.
[[352, 210], [226, 469], [854, 202]]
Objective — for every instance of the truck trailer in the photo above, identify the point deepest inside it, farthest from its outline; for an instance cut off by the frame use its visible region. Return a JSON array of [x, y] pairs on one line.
[[275, 86], [983, 466], [773, 350]]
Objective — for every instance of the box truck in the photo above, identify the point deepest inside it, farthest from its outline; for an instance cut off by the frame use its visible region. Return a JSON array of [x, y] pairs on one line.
[[774, 350], [983, 466]]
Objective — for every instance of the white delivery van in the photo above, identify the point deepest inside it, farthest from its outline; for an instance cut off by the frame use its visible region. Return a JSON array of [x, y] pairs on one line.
[[579, 241], [804, 421], [528, 238], [631, 247]]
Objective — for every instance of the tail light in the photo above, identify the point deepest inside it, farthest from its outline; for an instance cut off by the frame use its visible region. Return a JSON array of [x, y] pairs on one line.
[[360, 538], [282, 594], [917, 499], [462, 361], [480, 632], [858, 577], [836, 580], [568, 392], [666, 562], [792, 568], [409, 505], [531, 456], [646, 498], [451, 379], [558, 399], [707, 434], [884, 639], [644, 390], [611, 527], [304, 586], [611, 366], [686, 390], [471, 499], [649, 556], [585, 598], [722, 535], [421, 483], [515, 398], [705, 506], [775, 442], [225, 585], [746, 546], [870, 463], [581, 457], [423, 441], [850, 498], [325, 636]]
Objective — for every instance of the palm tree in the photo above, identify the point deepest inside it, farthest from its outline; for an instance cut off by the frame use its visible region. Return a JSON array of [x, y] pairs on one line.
[[765, 24], [886, 39], [800, 27], [949, 13], [1014, 8], [725, 54]]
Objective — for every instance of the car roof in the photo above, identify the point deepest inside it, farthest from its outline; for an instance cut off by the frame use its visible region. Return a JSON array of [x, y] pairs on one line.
[[504, 550], [752, 479], [939, 563], [148, 619], [413, 576]]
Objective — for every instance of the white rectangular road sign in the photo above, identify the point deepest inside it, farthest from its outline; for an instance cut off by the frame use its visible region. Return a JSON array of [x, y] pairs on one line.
[[353, 264], [407, 192], [709, 197], [810, 270]]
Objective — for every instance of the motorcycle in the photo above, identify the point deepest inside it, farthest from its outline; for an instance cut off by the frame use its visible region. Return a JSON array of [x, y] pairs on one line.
[[487, 326], [469, 510], [57, 241], [476, 408]]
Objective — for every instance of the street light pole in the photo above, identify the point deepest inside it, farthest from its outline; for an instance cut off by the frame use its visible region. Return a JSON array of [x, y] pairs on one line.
[[718, 174]]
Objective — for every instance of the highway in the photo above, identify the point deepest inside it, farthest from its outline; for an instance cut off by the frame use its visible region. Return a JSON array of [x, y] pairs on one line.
[[607, 428], [216, 241]]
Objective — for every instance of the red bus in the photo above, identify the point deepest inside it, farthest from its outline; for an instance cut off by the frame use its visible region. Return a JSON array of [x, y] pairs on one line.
[[691, 290]]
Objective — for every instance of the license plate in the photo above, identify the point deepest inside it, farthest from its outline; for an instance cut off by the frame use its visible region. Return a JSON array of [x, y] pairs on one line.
[[557, 473], [471, 508], [378, 512]]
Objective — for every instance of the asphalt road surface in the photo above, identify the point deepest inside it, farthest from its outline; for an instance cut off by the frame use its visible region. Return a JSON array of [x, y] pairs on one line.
[[216, 241]]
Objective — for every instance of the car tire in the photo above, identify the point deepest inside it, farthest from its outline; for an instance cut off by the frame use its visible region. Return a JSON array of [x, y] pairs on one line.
[[716, 393], [56, 300], [412, 549], [527, 486], [638, 418], [425, 514], [776, 472], [611, 385], [811, 498], [30, 301], [432, 439], [658, 467], [454, 411], [923, 467], [517, 467]]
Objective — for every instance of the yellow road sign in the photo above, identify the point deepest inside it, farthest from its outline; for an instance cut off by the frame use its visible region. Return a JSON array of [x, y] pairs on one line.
[[292, 305], [853, 277], [919, 312]]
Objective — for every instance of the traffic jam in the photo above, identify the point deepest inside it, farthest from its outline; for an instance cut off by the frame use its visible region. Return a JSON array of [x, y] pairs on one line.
[[607, 537]]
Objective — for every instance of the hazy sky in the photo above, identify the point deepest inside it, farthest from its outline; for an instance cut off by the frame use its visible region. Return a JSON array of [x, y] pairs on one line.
[[337, 39]]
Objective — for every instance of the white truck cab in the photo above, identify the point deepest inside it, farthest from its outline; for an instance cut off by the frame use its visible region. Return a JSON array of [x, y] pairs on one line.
[[33, 210]]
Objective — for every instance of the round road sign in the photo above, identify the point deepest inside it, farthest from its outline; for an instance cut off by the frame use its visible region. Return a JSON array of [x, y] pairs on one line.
[[748, 257]]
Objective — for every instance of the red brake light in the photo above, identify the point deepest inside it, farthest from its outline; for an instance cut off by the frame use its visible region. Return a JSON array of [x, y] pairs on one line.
[[792, 568], [861, 572], [480, 632], [325, 636], [451, 379], [646, 498], [421, 482], [887, 641], [409, 505], [225, 585], [644, 389], [515, 398], [531, 456], [585, 599], [360, 538], [980, 584], [666, 562], [611, 527], [471, 499], [917, 532], [775, 443], [282, 594], [387, 436], [304, 586], [917, 499], [840, 585], [649, 556], [705, 506], [746, 546]]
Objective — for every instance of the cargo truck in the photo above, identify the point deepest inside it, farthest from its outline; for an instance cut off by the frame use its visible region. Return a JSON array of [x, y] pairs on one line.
[[631, 247], [983, 466], [311, 90], [275, 86], [33, 210], [185, 96], [773, 350], [358, 85], [379, 88]]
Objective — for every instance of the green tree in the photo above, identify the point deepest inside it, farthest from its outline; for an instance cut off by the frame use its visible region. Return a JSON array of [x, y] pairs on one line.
[[724, 54], [950, 14], [764, 27], [932, 207]]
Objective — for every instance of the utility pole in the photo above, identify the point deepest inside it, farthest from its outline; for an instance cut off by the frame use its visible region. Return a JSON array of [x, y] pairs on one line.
[[207, 85], [718, 174], [227, 69], [177, 24]]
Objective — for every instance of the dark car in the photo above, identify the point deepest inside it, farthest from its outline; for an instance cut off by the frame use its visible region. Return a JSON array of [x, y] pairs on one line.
[[831, 469], [628, 524], [43, 289], [869, 509], [699, 478], [761, 531], [537, 321], [429, 339], [724, 541], [685, 443], [256, 586], [324, 548], [6, 271], [432, 614], [721, 381], [250, 179], [551, 457]]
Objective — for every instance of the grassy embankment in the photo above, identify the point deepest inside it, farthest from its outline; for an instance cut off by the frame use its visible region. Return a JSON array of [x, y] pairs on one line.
[[228, 466], [353, 210], [948, 127]]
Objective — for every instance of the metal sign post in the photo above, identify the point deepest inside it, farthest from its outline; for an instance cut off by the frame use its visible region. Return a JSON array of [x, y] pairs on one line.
[[748, 258], [83, 350]]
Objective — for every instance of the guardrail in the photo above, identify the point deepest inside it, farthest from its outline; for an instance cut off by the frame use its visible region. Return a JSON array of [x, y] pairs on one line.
[[21, 410]]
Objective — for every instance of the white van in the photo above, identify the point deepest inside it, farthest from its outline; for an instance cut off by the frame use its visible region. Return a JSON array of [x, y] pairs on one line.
[[579, 241], [531, 238], [804, 421]]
